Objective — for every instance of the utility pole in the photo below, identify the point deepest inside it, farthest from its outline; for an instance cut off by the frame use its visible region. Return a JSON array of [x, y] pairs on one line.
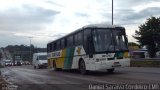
[[112, 12]]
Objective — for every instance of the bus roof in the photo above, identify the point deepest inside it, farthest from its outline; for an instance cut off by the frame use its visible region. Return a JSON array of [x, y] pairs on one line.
[[100, 25]]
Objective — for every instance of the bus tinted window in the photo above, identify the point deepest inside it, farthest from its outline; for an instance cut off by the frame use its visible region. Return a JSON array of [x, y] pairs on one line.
[[62, 43], [103, 40], [58, 45], [87, 34], [78, 38], [49, 47], [70, 41], [52, 46], [55, 46], [120, 41]]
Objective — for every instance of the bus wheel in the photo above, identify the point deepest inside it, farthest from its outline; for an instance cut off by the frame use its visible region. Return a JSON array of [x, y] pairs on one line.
[[82, 67], [110, 70]]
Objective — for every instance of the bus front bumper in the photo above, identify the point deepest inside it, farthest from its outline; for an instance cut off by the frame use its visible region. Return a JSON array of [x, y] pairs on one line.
[[108, 64]]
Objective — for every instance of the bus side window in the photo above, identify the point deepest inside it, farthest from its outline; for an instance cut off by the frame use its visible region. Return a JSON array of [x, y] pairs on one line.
[[70, 41], [48, 47], [78, 38], [52, 46], [55, 46], [62, 43], [87, 34], [58, 45]]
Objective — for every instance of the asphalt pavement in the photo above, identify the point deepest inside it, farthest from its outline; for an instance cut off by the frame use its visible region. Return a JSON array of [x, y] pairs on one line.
[[27, 78]]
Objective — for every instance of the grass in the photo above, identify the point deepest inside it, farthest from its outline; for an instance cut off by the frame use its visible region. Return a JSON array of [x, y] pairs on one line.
[[145, 63]]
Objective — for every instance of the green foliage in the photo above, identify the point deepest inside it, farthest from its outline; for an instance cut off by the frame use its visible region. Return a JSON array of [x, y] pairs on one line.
[[149, 35]]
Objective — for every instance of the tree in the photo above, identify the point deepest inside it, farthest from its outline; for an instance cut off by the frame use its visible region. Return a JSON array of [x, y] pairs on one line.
[[149, 35]]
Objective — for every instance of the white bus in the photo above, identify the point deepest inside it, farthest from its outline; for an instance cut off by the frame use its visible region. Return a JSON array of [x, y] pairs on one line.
[[92, 47]]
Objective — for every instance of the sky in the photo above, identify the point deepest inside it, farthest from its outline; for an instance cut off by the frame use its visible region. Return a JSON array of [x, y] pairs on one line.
[[41, 21]]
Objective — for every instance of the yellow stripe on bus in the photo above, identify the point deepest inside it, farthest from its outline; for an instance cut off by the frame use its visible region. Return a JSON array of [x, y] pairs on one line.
[[60, 61], [126, 55]]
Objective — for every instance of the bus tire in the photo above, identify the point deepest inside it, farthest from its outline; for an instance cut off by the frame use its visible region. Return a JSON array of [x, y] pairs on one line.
[[110, 70], [82, 67]]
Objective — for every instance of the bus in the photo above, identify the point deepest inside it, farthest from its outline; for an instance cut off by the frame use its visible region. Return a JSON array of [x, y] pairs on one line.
[[93, 47]]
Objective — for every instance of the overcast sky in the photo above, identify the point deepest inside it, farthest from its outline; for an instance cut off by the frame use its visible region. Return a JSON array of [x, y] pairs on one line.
[[46, 20]]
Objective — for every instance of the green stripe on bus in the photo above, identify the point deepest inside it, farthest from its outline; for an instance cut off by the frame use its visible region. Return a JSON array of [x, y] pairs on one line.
[[69, 58], [118, 54]]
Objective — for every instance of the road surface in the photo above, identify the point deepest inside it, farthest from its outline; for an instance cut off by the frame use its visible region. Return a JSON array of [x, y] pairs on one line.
[[27, 78]]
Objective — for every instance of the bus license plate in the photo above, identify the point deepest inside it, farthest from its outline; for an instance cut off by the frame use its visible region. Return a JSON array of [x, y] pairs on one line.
[[116, 64]]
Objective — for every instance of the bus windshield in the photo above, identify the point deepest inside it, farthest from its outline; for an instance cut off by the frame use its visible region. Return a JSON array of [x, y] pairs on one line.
[[120, 40], [109, 40]]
